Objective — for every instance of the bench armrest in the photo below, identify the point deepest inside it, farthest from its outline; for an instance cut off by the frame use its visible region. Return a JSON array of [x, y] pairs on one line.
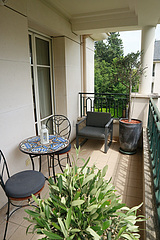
[[81, 121], [81, 124], [109, 123]]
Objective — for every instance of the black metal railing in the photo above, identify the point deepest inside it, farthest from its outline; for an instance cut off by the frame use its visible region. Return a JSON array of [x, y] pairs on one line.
[[115, 103], [154, 144]]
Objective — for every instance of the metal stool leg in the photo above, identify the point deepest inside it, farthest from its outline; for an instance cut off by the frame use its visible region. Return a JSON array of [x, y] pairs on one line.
[[5, 233], [54, 175], [59, 163], [68, 160], [49, 164]]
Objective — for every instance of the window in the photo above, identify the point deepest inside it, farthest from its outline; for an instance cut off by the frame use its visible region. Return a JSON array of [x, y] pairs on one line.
[[41, 74]]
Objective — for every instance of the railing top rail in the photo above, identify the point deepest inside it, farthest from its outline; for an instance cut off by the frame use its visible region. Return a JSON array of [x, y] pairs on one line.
[[121, 94], [115, 103], [155, 108]]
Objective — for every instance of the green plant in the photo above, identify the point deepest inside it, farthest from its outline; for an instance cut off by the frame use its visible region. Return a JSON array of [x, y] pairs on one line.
[[114, 112], [83, 205], [128, 70]]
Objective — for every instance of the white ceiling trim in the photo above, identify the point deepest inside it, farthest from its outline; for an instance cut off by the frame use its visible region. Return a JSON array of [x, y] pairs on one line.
[[103, 21]]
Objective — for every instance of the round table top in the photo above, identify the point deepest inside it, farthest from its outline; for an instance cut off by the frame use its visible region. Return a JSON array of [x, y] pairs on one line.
[[32, 145]]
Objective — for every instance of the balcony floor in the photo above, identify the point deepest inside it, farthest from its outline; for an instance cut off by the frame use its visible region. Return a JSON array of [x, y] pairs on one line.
[[125, 171]]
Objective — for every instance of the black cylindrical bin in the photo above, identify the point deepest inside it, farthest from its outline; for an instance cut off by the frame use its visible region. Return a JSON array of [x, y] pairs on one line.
[[129, 134]]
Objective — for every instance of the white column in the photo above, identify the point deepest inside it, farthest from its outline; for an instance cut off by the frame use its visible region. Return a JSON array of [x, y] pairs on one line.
[[147, 46], [84, 86]]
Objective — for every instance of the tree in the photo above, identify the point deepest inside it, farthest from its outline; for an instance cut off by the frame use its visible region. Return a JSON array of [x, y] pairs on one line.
[[105, 52], [127, 71]]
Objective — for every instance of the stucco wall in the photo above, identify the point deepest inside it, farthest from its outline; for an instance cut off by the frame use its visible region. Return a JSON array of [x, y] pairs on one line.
[[73, 80], [67, 72], [140, 107], [16, 103], [90, 64], [16, 106]]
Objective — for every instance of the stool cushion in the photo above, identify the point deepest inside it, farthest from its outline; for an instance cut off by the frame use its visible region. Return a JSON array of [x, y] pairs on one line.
[[65, 150], [24, 183]]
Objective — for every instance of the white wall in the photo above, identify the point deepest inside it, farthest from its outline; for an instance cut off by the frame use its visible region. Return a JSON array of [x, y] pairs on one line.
[[16, 103], [67, 72], [16, 106], [59, 75], [140, 106], [73, 81], [90, 65]]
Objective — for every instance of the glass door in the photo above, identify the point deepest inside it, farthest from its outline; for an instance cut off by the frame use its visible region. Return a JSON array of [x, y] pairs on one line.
[[42, 82]]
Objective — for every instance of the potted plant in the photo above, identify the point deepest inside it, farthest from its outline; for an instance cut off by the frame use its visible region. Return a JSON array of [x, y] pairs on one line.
[[83, 205], [128, 70]]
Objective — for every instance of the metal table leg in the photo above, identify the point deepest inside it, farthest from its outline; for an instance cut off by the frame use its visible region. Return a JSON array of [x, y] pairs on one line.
[[32, 161], [54, 175]]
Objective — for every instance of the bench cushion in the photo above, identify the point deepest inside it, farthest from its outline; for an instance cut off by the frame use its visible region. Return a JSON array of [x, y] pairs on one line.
[[97, 119], [92, 132]]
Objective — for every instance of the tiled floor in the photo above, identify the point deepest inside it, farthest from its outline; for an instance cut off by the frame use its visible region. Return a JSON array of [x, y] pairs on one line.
[[125, 171]]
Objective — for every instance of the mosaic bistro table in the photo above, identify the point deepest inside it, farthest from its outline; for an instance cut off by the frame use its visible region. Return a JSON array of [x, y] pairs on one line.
[[34, 148]]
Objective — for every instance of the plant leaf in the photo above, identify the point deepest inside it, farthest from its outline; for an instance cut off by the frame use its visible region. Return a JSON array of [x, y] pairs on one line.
[[106, 224], [109, 236], [68, 218], [85, 164], [47, 211], [104, 171], [91, 207], [36, 199], [126, 236], [77, 202], [60, 183], [56, 226], [62, 227], [135, 208], [121, 231], [75, 230], [93, 233], [51, 235], [32, 213], [88, 178]]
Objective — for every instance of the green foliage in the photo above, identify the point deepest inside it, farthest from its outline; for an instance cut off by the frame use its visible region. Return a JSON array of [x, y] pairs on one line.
[[83, 205], [103, 77], [114, 112], [104, 69], [111, 49], [127, 71]]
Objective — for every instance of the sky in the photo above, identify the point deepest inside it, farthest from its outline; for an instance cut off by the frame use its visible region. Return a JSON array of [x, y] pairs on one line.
[[132, 40]]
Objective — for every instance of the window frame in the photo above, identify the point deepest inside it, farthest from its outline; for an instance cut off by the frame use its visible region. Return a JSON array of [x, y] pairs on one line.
[[38, 120]]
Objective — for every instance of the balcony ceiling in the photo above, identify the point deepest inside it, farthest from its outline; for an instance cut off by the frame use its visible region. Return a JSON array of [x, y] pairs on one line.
[[101, 16]]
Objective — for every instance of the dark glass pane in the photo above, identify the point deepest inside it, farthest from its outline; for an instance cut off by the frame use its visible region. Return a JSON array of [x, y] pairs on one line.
[[50, 127], [44, 91], [42, 50], [33, 91], [30, 50], [36, 127]]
